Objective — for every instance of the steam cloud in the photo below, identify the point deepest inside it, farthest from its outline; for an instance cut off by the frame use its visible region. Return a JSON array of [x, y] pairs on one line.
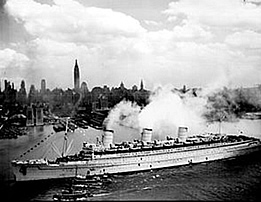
[[170, 108], [167, 110], [124, 113]]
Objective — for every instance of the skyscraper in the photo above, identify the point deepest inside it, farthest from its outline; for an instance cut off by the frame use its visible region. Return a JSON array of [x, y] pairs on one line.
[[21, 95], [43, 86], [76, 76], [141, 85]]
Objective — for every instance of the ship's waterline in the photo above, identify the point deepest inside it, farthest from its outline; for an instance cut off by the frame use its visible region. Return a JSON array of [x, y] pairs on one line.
[[139, 155]]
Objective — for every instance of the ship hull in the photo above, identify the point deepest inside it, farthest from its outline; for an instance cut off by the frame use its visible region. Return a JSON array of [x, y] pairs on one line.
[[136, 161]]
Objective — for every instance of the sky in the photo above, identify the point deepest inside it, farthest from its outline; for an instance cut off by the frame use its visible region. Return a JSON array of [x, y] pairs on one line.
[[196, 43]]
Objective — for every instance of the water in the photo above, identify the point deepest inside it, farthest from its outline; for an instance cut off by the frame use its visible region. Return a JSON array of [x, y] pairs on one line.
[[238, 179]]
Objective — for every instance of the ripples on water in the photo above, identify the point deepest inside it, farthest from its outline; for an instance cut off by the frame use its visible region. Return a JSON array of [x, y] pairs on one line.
[[237, 179]]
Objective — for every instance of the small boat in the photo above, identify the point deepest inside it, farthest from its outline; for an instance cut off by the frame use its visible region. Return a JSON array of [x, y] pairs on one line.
[[87, 179], [88, 186], [96, 180], [71, 195], [59, 127]]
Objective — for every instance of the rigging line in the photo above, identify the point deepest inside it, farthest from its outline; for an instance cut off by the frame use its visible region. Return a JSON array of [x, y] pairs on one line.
[[65, 137], [36, 145], [46, 151], [69, 148], [55, 149]]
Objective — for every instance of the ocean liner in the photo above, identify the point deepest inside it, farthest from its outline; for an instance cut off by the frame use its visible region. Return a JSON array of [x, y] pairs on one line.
[[104, 157]]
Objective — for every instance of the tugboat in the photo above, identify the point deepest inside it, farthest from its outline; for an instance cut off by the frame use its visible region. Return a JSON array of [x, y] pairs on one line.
[[71, 195], [87, 179], [95, 180], [79, 186]]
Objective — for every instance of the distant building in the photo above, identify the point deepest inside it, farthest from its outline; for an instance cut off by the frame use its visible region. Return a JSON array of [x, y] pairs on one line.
[[76, 76], [43, 86], [21, 95], [34, 116], [32, 95], [9, 93], [29, 116], [39, 116], [141, 85], [122, 87], [84, 88]]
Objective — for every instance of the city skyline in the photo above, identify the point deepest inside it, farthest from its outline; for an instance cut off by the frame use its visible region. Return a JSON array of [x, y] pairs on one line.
[[193, 43], [42, 86]]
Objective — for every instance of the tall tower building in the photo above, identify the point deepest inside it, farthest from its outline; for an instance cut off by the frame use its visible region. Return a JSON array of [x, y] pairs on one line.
[[43, 86], [141, 85], [21, 95], [76, 76]]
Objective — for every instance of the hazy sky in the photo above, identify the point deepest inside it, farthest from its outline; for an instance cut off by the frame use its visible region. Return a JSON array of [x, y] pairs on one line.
[[191, 42]]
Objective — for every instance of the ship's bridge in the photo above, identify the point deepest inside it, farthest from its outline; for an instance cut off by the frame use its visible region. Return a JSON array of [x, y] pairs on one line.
[[88, 146]]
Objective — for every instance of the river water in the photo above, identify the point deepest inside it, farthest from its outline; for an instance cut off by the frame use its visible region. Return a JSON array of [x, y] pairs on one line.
[[237, 179]]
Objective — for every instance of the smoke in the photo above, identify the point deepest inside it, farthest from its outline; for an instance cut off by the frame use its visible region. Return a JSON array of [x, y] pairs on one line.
[[2, 3], [230, 104], [124, 113], [168, 109]]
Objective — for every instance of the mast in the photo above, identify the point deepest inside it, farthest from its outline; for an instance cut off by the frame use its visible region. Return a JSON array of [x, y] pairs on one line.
[[65, 138], [222, 117], [219, 127]]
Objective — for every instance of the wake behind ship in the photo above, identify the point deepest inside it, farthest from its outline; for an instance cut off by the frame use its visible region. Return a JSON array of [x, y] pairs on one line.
[[104, 157]]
